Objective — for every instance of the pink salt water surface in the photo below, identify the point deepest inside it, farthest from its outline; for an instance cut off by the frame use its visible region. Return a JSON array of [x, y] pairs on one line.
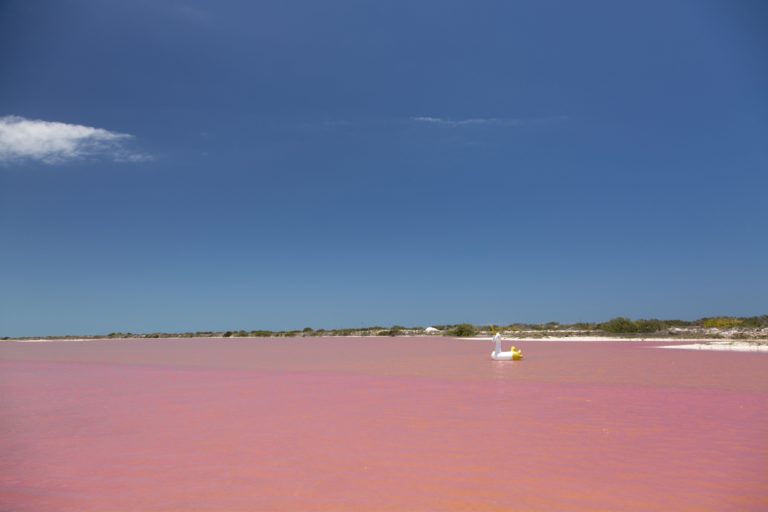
[[415, 424]]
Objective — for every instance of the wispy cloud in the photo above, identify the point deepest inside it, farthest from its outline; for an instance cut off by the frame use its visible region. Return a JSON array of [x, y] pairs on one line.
[[480, 121], [465, 122], [52, 142]]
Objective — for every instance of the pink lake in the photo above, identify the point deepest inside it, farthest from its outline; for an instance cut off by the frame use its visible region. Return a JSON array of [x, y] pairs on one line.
[[372, 424]]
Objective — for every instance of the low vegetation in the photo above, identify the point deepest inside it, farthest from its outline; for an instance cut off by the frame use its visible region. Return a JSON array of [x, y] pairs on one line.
[[463, 330], [753, 327]]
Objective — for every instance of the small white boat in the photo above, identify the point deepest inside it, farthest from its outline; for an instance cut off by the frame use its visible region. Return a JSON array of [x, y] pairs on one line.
[[514, 353]]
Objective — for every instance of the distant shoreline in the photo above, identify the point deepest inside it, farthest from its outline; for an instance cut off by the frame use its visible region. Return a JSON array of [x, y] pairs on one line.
[[731, 345], [750, 329]]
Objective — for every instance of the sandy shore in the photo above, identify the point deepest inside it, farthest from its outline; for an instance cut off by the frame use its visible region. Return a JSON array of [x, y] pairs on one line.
[[731, 346], [690, 344], [608, 338]]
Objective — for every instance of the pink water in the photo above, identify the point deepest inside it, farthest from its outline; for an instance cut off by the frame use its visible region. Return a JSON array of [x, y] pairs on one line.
[[425, 424]]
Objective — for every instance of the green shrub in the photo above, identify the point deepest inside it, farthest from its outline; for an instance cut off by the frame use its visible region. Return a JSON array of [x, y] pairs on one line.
[[463, 330], [619, 325], [722, 322], [678, 323], [755, 321], [652, 325]]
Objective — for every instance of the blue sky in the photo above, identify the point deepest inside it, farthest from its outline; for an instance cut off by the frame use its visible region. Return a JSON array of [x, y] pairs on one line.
[[199, 165]]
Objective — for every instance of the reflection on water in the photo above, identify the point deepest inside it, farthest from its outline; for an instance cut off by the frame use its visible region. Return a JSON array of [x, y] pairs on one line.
[[504, 370]]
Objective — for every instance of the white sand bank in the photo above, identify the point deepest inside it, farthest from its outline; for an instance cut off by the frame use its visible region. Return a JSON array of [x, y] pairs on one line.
[[578, 338], [733, 346]]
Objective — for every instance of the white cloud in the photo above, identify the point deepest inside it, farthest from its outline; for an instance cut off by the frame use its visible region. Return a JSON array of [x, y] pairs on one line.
[[487, 121], [426, 119], [52, 142], [466, 122]]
